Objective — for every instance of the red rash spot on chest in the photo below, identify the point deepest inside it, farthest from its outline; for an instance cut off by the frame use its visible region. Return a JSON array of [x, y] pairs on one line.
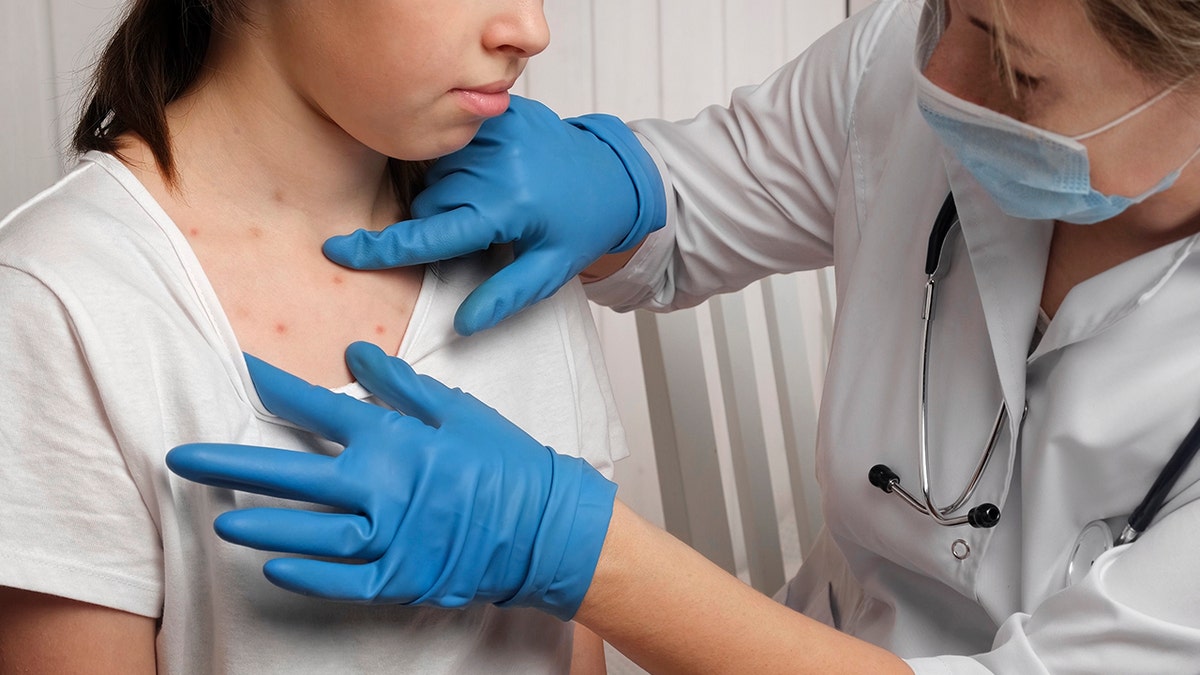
[[195, 232], [380, 330], [281, 328], [338, 281]]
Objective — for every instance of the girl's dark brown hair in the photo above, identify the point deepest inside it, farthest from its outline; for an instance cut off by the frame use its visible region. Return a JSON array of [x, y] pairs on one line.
[[154, 57]]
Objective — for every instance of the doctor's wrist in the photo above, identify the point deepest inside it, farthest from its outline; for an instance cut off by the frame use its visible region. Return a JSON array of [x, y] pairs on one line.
[[642, 171]]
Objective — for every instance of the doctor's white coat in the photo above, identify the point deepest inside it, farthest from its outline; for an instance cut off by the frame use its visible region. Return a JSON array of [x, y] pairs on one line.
[[830, 163]]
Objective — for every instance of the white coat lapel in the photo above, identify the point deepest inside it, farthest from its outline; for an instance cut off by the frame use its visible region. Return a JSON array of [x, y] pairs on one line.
[[1008, 256]]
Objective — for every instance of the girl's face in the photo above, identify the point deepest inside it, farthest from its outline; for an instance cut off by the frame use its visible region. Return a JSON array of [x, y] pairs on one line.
[[410, 79], [1068, 80]]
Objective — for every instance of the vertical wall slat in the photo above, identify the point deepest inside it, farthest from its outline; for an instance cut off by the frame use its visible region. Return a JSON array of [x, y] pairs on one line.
[[563, 76], [691, 44], [754, 48], [26, 102], [751, 468], [797, 402], [628, 81], [80, 29], [684, 443], [807, 21]]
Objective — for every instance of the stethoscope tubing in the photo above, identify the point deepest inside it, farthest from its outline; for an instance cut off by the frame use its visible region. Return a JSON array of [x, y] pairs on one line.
[[984, 515], [1152, 503], [988, 515]]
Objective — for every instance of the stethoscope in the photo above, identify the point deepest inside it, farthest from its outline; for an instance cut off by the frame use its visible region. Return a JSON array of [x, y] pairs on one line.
[[1096, 537]]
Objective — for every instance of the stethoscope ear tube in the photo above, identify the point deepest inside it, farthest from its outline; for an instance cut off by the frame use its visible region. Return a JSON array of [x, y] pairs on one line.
[[984, 515], [881, 476], [946, 218]]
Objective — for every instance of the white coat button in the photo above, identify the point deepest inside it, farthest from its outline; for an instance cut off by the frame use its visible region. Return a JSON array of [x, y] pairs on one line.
[[960, 549]]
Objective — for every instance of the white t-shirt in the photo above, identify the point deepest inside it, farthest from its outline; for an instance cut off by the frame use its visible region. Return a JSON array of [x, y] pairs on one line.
[[114, 349]]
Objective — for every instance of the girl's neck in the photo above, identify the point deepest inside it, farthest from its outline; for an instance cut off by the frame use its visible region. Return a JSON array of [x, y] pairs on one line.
[[243, 139], [263, 180]]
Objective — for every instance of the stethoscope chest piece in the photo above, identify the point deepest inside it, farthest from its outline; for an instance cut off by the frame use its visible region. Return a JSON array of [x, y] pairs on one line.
[[1094, 539]]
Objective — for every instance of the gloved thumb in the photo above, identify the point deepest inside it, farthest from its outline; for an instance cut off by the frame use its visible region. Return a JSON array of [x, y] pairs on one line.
[[534, 276]]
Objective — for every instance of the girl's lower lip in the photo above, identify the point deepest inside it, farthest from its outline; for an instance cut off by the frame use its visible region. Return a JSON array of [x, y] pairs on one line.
[[484, 105]]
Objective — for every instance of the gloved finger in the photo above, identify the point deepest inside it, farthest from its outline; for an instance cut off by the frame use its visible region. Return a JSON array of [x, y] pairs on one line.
[[334, 581], [483, 151], [395, 383], [328, 535], [464, 187], [266, 471], [317, 409], [440, 236], [534, 276]]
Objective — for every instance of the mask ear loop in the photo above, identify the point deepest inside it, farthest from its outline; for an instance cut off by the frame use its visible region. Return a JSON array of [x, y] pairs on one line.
[[1188, 160], [1158, 97]]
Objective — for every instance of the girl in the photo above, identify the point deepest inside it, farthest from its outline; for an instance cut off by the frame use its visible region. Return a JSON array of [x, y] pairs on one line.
[[224, 140]]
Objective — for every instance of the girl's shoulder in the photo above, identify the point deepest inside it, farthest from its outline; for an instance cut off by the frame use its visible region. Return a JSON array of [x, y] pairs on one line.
[[96, 224]]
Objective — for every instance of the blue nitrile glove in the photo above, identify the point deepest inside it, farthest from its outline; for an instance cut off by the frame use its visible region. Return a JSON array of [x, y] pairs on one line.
[[564, 192], [448, 504]]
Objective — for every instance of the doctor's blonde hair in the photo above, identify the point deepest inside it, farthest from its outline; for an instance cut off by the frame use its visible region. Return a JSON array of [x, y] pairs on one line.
[[1159, 38]]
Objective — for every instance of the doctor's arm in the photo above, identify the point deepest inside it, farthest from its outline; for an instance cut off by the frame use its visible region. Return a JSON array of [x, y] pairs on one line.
[[671, 610], [449, 504]]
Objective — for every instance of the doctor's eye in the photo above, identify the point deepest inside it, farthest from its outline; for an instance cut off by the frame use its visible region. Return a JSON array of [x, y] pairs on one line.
[[1017, 81]]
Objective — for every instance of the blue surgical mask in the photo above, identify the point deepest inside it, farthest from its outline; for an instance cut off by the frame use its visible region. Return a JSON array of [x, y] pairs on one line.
[[1029, 172]]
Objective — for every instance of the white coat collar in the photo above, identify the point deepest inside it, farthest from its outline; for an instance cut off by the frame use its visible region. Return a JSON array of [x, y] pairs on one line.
[[1009, 256], [1099, 303]]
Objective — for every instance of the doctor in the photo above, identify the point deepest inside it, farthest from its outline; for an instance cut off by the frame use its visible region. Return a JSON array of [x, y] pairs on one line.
[[1067, 322]]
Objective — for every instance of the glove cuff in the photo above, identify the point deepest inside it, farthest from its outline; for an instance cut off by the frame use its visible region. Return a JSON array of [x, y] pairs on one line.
[[647, 182], [569, 539]]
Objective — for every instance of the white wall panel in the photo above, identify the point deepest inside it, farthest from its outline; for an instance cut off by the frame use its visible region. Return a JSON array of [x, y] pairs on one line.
[[808, 20], [80, 29], [46, 49], [30, 161], [628, 77], [564, 76], [692, 47], [755, 37]]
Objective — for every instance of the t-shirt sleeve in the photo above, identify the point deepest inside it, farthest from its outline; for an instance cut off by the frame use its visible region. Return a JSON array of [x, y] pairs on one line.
[[601, 434], [73, 522]]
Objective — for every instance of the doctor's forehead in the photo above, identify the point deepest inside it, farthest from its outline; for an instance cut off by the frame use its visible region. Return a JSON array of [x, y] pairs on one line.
[[1024, 25], [1160, 39]]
